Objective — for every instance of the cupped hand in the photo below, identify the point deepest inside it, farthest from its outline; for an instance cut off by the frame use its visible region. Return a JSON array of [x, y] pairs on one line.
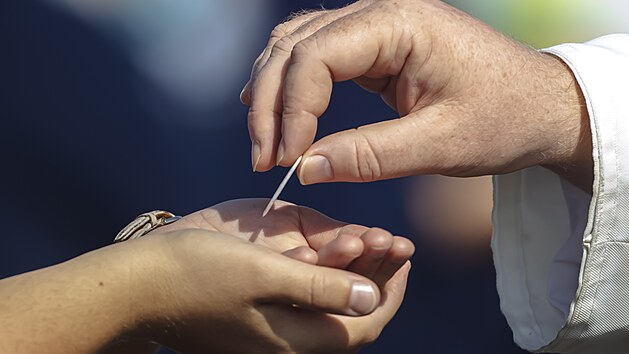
[[219, 282], [307, 235], [471, 101]]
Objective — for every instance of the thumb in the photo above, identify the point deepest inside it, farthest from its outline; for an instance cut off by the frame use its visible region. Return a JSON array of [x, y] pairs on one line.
[[323, 289], [389, 149]]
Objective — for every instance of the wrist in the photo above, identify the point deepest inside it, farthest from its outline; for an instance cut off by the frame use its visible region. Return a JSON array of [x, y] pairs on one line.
[[570, 136], [126, 288], [157, 280], [145, 283], [127, 278]]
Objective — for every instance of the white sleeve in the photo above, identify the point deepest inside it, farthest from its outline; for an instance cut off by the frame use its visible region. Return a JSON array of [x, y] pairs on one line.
[[562, 257]]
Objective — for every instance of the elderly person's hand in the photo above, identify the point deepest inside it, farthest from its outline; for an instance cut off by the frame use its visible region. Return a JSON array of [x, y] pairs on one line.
[[471, 101]]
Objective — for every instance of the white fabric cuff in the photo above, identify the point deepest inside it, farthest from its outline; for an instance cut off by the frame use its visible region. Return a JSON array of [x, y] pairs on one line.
[[562, 258]]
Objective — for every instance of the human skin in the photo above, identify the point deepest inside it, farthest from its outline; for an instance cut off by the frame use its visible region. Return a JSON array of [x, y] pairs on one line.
[[471, 101], [202, 285]]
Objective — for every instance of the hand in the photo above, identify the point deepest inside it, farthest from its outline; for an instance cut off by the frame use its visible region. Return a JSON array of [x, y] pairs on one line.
[[471, 101], [215, 292], [203, 291], [307, 235]]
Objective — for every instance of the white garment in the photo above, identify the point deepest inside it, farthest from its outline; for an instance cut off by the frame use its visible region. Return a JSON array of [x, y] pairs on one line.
[[562, 257]]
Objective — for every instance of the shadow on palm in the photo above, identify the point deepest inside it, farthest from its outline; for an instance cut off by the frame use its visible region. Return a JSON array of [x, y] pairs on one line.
[[307, 235], [285, 227]]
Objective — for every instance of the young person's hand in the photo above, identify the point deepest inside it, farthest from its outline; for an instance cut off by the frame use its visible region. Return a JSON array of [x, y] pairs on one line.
[[223, 280], [307, 235]]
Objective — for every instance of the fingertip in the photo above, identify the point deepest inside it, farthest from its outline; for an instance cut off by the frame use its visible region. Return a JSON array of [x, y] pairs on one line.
[[396, 283], [377, 242], [401, 250], [395, 265], [301, 172], [364, 298], [260, 162], [315, 169], [265, 164], [245, 94], [286, 158], [332, 158], [280, 154], [256, 154], [263, 137]]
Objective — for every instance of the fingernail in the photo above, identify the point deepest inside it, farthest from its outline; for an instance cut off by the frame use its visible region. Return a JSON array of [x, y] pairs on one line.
[[363, 299], [255, 155], [315, 169], [243, 91], [280, 153]]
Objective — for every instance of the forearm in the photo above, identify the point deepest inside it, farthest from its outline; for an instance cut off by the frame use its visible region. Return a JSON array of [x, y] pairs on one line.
[[79, 306]]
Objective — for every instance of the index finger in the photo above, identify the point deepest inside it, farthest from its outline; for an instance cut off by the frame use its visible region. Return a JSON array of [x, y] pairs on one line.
[[343, 50]]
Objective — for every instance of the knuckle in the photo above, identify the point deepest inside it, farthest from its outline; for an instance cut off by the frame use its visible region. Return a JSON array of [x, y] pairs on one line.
[[279, 31], [283, 47], [317, 286], [306, 50], [368, 166], [302, 47]]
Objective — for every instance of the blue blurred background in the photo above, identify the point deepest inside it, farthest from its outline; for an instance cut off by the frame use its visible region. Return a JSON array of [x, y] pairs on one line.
[[111, 108]]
